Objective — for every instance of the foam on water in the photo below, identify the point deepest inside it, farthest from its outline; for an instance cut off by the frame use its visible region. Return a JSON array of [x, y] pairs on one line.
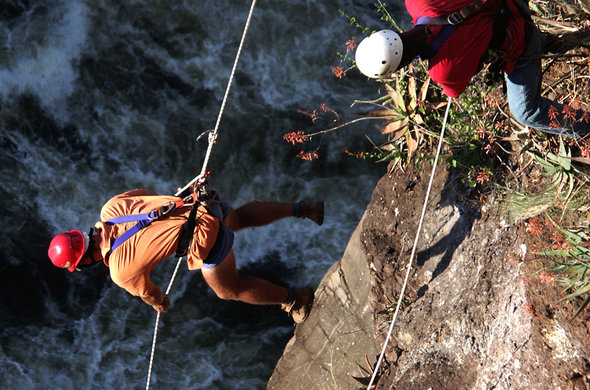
[[41, 53]]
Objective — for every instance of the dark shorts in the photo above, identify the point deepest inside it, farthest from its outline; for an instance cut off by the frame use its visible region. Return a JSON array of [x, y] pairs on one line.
[[225, 236]]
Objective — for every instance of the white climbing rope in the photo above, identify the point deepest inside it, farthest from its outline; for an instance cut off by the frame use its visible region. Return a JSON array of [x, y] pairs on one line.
[[212, 140], [147, 386], [213, 133], [400, 298]]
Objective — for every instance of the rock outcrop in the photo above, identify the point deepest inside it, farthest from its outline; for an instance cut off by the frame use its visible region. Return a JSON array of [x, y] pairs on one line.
[[474, 315], [328, 350]]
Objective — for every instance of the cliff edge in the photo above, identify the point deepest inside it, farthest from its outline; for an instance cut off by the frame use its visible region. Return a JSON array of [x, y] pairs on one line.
[[474, 316], [329, 348]]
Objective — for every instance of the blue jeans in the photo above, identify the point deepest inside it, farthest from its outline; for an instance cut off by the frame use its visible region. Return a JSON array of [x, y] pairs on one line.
[[524, 94]]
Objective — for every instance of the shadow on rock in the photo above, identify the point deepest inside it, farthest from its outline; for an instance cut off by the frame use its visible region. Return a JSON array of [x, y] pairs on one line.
[[454, 194]]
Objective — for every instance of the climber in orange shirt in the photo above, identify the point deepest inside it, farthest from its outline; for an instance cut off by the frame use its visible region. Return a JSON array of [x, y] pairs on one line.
[[132, 249]]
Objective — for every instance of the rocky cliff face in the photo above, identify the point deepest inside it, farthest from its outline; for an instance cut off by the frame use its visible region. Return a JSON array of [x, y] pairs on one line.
[[474, 315], [329, 348]]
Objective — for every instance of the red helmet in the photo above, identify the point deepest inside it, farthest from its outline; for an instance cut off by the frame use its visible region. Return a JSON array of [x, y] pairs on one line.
[[67, 249]]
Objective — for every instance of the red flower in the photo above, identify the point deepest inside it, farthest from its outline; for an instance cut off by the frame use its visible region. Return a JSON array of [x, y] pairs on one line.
[[325, 108], [483, 177], [534, 227], [311, 115], [493, 99], [338, 71], [560, 243], [296, 137], [481, 131], [552, 112], [351, 44], [547, 277], [307, 155], [569, 112]]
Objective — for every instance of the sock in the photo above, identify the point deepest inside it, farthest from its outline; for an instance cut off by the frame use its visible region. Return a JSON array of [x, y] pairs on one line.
[[290, 297], [297, 210]]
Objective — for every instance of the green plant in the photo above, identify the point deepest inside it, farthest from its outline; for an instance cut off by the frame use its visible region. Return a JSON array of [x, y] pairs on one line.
[[565, 185], [559, 169], [573, 270], [406, 112]]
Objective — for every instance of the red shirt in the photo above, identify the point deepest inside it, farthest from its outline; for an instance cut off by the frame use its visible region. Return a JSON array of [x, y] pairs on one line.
[[457, 60]]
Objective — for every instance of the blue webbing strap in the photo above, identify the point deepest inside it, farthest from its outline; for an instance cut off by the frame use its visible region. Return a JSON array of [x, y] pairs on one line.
[[143, 220], [449, 22], [430, 50], [131, 218], [432, 20], [453, 18]]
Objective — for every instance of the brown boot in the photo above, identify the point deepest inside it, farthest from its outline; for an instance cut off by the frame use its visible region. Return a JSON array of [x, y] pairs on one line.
[[300, 304], [312, 209]]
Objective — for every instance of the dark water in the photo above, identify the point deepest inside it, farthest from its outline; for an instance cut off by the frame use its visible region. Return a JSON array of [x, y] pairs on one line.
[[98, 97]]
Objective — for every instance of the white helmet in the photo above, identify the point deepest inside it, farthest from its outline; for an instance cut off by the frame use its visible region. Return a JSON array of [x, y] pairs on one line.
[[379, 55]]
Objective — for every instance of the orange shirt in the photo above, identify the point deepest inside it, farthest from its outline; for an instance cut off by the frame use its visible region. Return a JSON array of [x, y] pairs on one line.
[[132, 262]]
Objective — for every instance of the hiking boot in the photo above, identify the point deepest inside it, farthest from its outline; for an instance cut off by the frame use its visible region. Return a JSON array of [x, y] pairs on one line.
[[312, 209], [300, 304], [552, 44]]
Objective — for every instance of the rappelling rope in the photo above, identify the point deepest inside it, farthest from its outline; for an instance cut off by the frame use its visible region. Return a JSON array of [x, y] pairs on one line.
[[399, 300], [213, 133], [212, 140], [147, 386]]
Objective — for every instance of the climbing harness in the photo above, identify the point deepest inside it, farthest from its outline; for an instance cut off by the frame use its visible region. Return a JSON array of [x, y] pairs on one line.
[[453, 18], [451, 21], [143, 220], [202, 176], [201, 194], [401, 294]]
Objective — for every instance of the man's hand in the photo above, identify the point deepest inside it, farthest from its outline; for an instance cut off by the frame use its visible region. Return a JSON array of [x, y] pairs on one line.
[[163, 306]]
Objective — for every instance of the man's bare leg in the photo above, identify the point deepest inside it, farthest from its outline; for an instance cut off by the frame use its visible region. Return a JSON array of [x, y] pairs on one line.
[[227, 284], [257, 214], [263, 213]]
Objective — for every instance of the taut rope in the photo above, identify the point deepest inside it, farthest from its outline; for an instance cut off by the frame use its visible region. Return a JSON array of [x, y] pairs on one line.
[[213, 133], [401, 294], [212, 140]]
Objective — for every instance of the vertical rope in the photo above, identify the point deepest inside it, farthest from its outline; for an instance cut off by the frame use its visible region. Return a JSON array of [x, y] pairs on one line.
[[149, 376], [214, 132], [212, 140], [399, 300]]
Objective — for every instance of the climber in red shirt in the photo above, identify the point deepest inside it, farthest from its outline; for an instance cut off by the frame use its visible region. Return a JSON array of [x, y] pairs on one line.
[[455, 36]]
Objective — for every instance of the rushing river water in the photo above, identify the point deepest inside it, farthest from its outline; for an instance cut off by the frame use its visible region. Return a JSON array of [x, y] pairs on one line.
[[98, 97]]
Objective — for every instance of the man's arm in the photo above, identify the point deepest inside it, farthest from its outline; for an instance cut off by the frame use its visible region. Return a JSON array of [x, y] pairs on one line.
[[159, 301], [155, 298], [414, 42], [141, 286]]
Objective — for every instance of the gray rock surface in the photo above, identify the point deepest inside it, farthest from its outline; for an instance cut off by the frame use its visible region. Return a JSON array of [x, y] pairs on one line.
[[329, 348], [475, 315]]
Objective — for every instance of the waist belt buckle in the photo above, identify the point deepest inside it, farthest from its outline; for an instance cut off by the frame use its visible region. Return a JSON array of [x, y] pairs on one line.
[[455, 18]]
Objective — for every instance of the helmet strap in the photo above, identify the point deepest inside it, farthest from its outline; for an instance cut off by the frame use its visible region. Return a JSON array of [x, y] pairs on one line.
[[89, 254]]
